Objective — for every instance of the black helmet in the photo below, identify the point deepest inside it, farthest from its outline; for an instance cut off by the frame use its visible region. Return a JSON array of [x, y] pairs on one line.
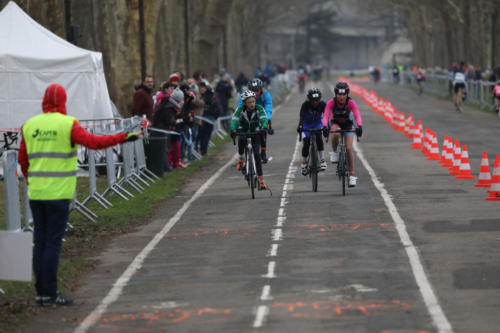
[[341, 87], [255, 84], [314, 93]]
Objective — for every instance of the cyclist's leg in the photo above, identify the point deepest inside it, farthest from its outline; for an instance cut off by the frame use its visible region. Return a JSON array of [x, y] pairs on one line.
[[263, 146], [305, 147], [321, 147], [335, 143], [256, 153], [349, 138], [241, 150]]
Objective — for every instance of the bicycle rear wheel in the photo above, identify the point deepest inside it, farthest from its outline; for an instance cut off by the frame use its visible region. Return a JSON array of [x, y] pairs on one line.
[[314, 164]]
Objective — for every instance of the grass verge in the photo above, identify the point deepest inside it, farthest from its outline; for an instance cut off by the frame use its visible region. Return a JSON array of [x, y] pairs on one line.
[[87, 239]]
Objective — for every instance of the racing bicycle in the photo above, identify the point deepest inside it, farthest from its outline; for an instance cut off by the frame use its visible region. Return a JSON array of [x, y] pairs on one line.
[[343, 162], [249, 169], [313, 165]]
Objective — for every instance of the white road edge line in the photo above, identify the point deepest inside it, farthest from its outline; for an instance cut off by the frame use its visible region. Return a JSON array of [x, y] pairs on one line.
[[270, 270], [136, 264], [430, 299]]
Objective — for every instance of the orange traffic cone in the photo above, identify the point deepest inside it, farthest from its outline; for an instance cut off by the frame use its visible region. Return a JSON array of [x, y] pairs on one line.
[[484, 179], [448, 153], [409, 125], [426, 142], [495, 182], [434, 149], [444, 150], [417, 136], [464, 169], [457, 155]]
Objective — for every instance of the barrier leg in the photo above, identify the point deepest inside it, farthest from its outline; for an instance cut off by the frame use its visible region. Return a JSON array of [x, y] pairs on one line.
[[11, 185]]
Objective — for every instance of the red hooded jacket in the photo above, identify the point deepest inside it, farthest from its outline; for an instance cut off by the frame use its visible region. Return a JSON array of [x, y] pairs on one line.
[[54, 100]]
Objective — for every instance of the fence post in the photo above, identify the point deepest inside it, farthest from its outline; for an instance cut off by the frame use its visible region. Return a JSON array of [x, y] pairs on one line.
[[11, 184], [93, 182]]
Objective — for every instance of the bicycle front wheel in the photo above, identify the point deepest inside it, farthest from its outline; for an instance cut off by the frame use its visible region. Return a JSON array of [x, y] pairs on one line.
[[345, 168], [252, 176], [314, 164]]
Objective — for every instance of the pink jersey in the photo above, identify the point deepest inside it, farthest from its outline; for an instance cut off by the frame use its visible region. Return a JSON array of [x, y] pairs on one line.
[[351, 106], [496, 90]]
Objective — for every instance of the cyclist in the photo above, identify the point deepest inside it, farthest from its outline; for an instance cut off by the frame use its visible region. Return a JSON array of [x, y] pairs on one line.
[[250, 117], [459, 84], [263, 99], [420, 78], [496, 95], [342, 109], [311, 116]]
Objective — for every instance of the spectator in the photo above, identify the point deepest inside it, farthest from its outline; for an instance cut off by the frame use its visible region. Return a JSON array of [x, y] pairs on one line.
[[211, 112], [241, 81], [224, 92], [198, 107], [165, 92], [47, 155], [175, 78], [143, 100], [174, 155]]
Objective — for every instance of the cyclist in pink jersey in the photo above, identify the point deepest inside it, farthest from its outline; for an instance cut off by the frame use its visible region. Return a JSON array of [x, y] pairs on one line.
[[342, 110], [496, 94]]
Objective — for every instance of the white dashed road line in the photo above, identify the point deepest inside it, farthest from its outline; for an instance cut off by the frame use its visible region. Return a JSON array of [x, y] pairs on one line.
[[276, 236]]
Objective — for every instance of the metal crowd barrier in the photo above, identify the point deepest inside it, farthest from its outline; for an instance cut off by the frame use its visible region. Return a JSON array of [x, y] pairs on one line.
[[479, 92]]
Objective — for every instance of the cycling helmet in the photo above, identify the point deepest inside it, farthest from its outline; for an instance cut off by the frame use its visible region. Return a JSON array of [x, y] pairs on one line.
[[255, 84], [342, 88], [247, 94], [314, 93]]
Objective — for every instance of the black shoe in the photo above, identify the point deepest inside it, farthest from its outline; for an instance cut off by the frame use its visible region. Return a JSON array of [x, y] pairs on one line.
[[263, 157], [56, 300]]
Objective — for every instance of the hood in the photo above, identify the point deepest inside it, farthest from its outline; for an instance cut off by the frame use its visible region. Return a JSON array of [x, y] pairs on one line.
[[54, 99]]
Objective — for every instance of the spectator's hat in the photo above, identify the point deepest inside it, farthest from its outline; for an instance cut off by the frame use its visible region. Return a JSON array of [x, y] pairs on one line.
[[174, 78], [178, 95]]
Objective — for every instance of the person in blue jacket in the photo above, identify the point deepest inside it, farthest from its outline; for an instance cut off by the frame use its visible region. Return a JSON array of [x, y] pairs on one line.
[[263, 99]]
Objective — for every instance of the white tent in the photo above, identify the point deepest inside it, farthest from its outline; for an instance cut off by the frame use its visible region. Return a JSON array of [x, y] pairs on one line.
[[31, 58]]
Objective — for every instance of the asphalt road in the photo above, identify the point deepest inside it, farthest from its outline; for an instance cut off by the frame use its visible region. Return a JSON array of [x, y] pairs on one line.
[[299, 261]]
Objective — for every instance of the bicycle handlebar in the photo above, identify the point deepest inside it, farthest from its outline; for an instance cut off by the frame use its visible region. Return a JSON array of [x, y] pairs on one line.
[[311, 130], [239, 133]]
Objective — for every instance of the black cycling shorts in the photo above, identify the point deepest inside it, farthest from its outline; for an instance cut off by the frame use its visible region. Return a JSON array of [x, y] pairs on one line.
[[458, 86]]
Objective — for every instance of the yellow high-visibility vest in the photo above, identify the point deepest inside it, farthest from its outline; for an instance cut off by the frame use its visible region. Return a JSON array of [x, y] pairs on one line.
[[52, 157]]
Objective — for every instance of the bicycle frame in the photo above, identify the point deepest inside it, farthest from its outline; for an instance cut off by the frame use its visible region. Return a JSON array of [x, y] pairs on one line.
[[343, 162], [250, 168]]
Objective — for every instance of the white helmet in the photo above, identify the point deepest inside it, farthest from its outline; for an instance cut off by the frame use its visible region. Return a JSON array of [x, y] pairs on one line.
[[247, 94]]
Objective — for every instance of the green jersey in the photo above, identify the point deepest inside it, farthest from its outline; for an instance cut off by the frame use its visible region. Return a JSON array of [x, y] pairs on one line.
[[246, 120]]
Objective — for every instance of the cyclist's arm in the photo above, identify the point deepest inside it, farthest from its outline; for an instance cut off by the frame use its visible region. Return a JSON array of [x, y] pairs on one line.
[[355, 111], [262, 116], [302, 115], [235, 121], [328, 111], [268, 104]]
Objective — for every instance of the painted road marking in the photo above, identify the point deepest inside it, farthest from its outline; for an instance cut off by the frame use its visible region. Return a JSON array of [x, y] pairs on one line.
[[273, 251], [277, 234], [430, 299], [266, 293], [261, 314], [136, 264], [270, 270]]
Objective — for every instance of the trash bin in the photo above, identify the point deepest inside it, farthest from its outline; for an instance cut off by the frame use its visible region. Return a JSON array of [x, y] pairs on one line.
[[155, 151]]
